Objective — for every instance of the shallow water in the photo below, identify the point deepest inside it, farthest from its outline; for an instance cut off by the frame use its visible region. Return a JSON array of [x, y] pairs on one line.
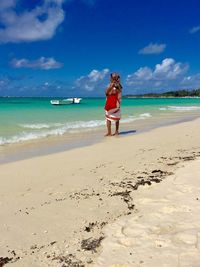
[[26, 119]]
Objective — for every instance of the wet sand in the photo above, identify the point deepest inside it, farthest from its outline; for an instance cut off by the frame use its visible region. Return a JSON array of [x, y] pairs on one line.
[[54, 144]]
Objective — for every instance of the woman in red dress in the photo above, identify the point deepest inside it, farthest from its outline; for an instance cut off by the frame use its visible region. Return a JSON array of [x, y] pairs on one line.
[[112, 106]]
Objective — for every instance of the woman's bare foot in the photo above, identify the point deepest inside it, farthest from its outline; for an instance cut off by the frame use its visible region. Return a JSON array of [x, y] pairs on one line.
[[116, 133], [108, 134]]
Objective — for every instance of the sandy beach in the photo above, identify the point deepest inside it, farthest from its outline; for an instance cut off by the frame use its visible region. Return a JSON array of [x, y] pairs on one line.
[[164, 230], [125, 201]]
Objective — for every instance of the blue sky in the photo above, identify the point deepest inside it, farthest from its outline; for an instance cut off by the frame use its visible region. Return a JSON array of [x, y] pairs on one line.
[[69, 47]]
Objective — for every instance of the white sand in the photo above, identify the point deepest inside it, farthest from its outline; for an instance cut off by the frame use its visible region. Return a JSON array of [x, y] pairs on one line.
[[48, 203], [165, 229]]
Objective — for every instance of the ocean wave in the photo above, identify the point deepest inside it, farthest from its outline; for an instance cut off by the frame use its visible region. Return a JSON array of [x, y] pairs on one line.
[[145, 115], [35, 126], [134, 118], [21, 137], [68, 125], [45, 130], [181, 108], [42, 130]]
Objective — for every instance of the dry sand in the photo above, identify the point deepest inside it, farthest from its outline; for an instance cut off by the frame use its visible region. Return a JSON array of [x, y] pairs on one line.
[[58, 209], [165, 229]]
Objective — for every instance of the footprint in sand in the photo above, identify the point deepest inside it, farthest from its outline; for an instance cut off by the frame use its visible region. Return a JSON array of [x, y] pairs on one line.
[[183, 188], [164, 229], [188, 237], [137, 231], [127, 242]]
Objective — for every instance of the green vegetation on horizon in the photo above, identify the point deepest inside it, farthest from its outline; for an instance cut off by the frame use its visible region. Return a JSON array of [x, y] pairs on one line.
[[179, 93]]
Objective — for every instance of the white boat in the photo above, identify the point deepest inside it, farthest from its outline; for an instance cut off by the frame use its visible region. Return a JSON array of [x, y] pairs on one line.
[[74, 100], [67, 101]]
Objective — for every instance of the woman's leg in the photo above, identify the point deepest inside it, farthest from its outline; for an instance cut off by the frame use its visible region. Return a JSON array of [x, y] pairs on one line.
[[116, 128], [108, 124]]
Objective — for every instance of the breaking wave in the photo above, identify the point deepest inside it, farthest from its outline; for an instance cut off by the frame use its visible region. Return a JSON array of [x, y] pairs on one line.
[[42, 130], [181, 108]]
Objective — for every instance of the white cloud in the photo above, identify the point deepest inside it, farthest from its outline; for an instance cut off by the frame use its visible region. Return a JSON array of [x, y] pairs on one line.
[[39, 23], [41, 63], [164, 76], [5, 4], [191, 82], [93, 80], [169, 70], [4, 82], [152, 49], [195, 29], [144, 73]]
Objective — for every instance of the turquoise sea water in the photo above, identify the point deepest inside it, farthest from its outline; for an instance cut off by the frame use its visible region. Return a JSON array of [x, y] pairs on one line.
[[23, 119]]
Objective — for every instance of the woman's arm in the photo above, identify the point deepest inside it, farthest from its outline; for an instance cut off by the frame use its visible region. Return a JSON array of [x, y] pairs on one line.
[[109, 89], [119, 97]]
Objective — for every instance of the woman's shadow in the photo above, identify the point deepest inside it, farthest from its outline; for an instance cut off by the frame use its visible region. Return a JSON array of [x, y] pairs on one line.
[[127, 132]]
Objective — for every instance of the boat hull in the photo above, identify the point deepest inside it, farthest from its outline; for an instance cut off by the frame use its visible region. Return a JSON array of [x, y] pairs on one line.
[[67, 101]]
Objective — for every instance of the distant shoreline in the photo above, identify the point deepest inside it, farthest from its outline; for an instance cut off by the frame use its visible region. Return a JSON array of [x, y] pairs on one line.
[[195, 93], [100, 97]]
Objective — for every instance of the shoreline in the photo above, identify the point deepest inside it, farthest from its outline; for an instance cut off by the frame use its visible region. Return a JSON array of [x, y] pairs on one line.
[[55, 144], [54, 208]]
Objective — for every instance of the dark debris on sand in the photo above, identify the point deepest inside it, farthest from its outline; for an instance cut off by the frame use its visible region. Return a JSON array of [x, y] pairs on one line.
[[155, 176], [69, 261], [92, 225], [91, 244], [4, 261], [126, 198]]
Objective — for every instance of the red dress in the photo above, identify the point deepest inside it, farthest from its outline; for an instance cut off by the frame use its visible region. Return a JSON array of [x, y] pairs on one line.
[[112, 101]]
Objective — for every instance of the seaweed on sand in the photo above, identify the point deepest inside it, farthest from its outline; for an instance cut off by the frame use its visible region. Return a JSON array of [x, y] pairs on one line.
[[69, 261], [91, 244], [4, 261]]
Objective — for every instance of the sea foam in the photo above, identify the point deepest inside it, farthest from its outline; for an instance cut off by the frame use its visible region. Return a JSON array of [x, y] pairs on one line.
[[181, 108], [42, 130]]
